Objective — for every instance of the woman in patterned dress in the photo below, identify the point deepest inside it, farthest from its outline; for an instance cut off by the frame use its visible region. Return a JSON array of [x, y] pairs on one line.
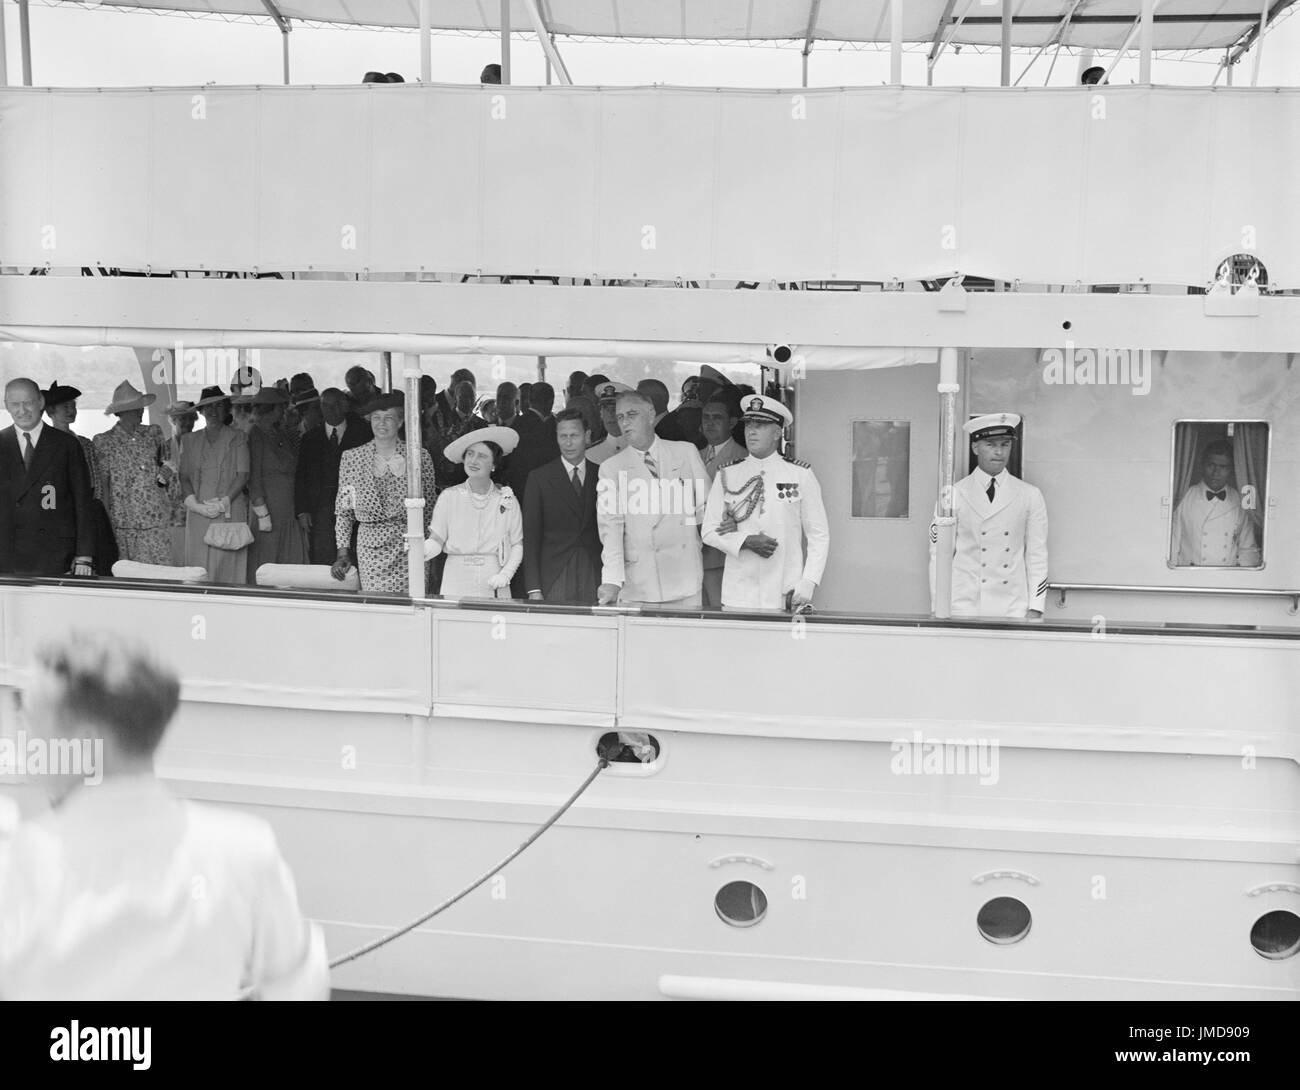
[[372, 495], [135, 480], [478, 524], [214, 470], [273, 463], [61, 408]]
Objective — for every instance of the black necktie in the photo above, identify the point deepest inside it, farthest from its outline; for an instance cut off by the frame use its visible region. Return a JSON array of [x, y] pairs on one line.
[[993, 481], [29, 452], [1222, 494], [334, 438], [577, 484]]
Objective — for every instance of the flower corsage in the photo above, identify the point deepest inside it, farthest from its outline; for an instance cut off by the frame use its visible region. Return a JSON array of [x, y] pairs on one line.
[[507, 499]]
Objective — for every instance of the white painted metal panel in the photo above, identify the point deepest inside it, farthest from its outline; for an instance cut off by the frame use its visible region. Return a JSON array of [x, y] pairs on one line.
[[659, 183]]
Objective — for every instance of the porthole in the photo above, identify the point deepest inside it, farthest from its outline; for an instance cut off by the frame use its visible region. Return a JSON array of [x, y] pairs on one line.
[[1004, 920], [628, 747], [740, 904], [1276, 935]]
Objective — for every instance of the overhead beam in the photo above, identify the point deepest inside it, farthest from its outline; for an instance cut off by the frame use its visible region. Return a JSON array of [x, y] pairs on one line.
[[1248, 39]]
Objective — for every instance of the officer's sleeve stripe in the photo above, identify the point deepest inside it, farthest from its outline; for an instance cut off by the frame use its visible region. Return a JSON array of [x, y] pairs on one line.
[[1042, 587]]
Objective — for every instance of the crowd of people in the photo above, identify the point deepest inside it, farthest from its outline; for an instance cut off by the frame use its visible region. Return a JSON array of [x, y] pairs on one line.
[[603, 500]]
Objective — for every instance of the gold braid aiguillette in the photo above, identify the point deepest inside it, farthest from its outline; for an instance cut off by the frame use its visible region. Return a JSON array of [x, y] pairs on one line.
[[752, 491]]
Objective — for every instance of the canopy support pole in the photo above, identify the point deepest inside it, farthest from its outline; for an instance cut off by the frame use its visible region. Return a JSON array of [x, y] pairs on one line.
[[1058, 35], [386, 371], [4, 60], [1152, 5], [941, 36], [810, 35], [426, 41], [505, 41], [1006, 43], [1146, 41], [415, 499], [25, 41], [946, 523], [1259, 44], [553, 58], [896, 42], [283, 23]]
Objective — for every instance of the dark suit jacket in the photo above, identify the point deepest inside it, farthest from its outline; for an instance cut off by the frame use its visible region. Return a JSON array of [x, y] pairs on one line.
[[537, 446], [46, 517], [317, 480], [561, 540]]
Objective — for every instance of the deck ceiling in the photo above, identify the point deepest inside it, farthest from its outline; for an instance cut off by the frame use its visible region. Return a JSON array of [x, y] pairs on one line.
[[1097, 24]]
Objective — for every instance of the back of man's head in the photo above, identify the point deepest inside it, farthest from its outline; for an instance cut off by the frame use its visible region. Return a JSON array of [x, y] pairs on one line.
[[100, 680], [491, 74], [464, 374], [542, 398], [656, 391]]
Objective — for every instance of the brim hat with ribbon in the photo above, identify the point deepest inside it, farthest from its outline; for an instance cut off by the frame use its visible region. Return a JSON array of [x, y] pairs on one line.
[[506, 438], [182, 408], [766, 410], [992, 426], [395, 400], [59, 395], [126, 397], [269, 395], [211, 395]]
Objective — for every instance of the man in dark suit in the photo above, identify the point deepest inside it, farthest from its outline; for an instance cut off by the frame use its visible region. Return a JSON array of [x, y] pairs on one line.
[[46, 520], [561, 539], [317, 479], [537, 443]]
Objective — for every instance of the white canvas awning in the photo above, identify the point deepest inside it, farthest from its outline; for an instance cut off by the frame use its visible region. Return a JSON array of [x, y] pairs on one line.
[[1096, 24]]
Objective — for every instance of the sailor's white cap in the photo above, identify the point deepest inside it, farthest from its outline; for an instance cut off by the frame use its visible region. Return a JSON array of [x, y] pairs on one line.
[[767, 409], [992, 426], [608, 391]]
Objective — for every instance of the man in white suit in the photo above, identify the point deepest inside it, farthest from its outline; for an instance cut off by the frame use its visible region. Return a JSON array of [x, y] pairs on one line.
[[649, 504], [1211, 526], [999, 567], [760, 512]]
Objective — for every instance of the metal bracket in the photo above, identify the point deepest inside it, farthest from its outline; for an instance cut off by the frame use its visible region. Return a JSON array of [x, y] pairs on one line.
[[952, 296], [1020, 875], [722, 860]]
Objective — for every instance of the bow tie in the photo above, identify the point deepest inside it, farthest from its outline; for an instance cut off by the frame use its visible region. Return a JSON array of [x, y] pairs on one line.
[[1222, 494]]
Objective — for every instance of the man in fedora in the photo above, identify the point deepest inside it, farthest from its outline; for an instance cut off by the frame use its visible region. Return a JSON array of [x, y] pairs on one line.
[[46, 519], [138, 484]]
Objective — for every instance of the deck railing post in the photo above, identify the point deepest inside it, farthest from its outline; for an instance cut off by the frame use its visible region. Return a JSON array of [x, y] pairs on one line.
[[415, 498], [4, 58], [946, 523]]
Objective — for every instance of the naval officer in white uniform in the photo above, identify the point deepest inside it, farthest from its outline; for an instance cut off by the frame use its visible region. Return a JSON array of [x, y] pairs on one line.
[[614, 441], [1211, 528], [760, 511], [999, 568]]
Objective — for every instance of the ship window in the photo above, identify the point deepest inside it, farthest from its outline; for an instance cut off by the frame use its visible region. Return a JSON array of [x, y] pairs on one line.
[[882, 458], [628, 747], [1004, 920], [1219, 483], [1276, 935], [741, 904]]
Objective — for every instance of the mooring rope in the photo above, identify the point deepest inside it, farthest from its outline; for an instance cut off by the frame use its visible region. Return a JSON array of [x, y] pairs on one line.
[[386, 939]]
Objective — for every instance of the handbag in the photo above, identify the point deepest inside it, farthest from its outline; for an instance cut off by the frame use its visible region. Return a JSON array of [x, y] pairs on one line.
[[231, 536]]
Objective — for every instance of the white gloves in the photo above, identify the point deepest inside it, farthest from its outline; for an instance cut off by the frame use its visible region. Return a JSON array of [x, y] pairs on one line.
[[209, 509], [263, 519], [501, 579], [432, 548]]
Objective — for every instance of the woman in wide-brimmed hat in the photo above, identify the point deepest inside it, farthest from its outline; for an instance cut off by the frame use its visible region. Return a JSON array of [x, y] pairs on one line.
[[478, 524], [138, 485], [273, 463], [372, 497], [61, 408], [214, 470]]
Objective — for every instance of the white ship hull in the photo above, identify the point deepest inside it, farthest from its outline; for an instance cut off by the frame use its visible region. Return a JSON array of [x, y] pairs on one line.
[[399, 752]]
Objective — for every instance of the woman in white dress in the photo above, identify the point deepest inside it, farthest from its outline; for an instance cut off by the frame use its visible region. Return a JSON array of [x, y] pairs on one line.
[[478, 524]]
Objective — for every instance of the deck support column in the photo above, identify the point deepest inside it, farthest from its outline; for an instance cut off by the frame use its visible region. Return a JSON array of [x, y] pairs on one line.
[[4, 59], [415, 498], [946, 523]]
